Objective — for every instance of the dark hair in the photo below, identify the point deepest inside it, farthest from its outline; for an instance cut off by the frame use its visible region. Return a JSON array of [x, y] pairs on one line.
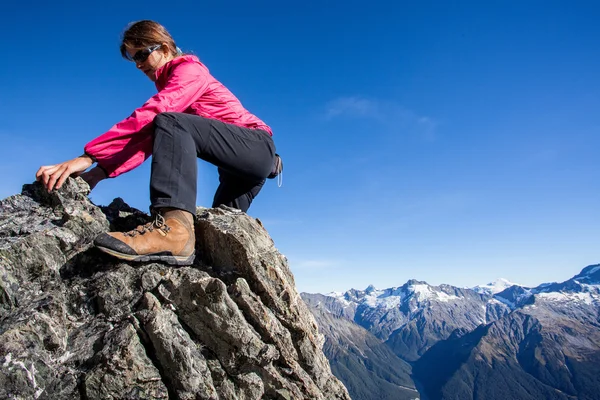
[[146, 33]]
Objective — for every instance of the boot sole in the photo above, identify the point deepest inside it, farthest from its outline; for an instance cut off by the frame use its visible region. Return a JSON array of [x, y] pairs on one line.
[[169, 259]]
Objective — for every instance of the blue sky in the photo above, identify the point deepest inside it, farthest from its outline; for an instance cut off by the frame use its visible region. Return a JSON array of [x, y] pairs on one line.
[[450, 142]]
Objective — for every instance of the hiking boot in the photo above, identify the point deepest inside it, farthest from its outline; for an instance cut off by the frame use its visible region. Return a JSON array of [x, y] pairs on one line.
[[169, 238]]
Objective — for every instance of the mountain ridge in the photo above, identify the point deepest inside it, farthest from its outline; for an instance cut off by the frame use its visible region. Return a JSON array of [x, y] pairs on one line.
[[492, 341]]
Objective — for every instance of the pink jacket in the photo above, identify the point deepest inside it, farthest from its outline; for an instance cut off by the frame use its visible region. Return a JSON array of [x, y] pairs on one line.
[[184, 85]]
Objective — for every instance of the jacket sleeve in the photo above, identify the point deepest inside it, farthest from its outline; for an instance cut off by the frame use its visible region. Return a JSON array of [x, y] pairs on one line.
[[129, 143]]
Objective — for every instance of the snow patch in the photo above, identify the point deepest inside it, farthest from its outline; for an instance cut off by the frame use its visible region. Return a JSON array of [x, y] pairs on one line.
[[506, 301], [344, 302], [423, 292], [339, 297], [494, 301], [524, 296], [494, 287], [382, 302], [591, 288], [445, 297], [586, 298]]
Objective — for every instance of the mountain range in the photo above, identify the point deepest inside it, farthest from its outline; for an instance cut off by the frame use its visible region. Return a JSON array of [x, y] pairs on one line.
[[496, 341]]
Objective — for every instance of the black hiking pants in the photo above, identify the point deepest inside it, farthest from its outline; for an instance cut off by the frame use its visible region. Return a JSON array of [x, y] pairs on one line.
[[244, 158]]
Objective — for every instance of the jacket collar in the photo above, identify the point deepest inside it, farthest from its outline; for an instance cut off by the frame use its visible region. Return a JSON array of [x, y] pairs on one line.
[[162, 74]]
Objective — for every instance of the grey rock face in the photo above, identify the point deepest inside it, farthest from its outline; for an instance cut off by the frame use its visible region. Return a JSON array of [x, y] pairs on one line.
[[78, 324]]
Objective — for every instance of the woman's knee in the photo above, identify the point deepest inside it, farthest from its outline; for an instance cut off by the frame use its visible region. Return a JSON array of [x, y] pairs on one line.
[[164, 121]]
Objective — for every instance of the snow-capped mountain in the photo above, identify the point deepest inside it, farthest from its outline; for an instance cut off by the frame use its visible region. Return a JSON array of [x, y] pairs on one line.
[[584, 287], [390, 298], [497, 286], [415, 313], [589, 275], [539, 340]]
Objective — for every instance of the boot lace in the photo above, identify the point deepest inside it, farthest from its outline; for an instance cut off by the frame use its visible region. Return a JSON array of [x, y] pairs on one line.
[[158, 223]]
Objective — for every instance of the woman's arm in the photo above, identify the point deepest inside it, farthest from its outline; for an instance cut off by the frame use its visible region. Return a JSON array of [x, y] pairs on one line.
[[129, 143], [93, 176]]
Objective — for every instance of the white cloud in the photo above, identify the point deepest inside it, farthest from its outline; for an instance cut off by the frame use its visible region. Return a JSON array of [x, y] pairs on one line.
[[387, 113], [353, 106]]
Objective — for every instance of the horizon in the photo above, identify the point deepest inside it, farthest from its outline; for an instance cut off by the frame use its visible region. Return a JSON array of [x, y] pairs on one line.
[[447, 143], [512, 283]]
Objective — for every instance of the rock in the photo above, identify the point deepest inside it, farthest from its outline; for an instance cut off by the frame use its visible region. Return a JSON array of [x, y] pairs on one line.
[[76, 323], [123, 369]]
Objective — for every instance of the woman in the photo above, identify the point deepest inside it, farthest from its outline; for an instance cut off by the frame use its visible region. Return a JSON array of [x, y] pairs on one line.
[[192, 116]]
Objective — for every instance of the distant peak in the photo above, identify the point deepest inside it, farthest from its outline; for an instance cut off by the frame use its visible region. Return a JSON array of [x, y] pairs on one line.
[[590, 269], [589, 275], [496, 286], [370, 289]]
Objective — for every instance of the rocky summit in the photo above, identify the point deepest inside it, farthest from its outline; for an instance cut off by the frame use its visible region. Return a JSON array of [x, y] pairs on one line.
[[78, 324]]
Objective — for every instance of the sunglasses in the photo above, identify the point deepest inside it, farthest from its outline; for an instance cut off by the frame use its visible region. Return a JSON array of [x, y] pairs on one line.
[[142, 55]]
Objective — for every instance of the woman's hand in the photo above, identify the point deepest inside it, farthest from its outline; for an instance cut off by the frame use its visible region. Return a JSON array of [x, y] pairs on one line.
[[93, 176], [53, 176]]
